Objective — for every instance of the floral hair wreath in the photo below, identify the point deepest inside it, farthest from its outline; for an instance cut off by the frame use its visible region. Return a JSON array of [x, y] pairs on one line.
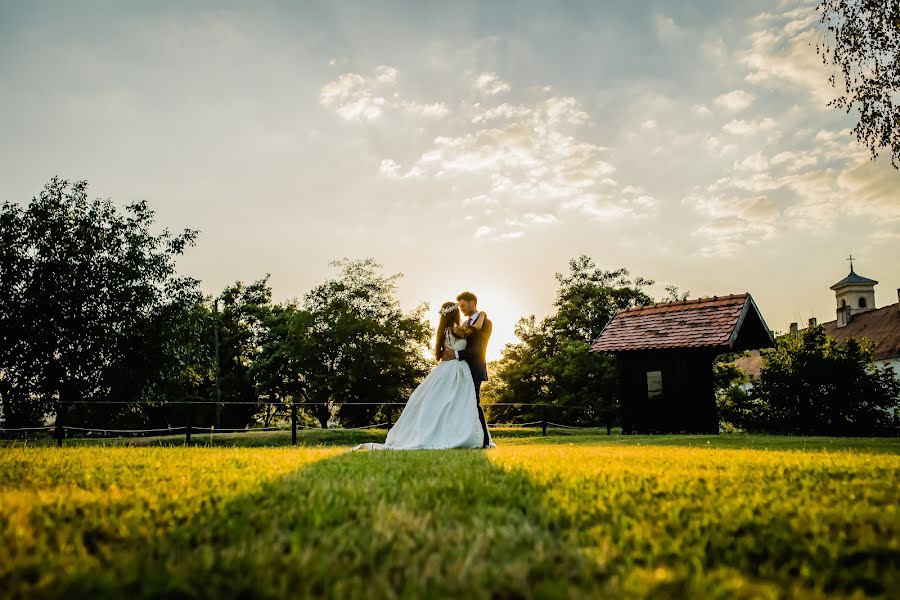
[[450, 309]]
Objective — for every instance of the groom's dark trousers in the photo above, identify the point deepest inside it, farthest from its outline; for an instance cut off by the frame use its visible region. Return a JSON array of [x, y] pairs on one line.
[[474, 355]]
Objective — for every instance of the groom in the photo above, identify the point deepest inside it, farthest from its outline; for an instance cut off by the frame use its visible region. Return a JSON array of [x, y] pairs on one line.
[[475, 351]]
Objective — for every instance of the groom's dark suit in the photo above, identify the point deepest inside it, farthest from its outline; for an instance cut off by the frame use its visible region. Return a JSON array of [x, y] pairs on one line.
[[474, 355]]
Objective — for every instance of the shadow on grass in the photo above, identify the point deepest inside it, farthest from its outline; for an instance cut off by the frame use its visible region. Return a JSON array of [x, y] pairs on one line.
[[359, 525]]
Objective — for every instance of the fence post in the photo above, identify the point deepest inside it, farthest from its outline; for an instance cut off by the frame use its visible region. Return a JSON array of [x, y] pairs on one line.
[[190, 422], [544, 422], [389, 416], [60, 428], [293, 424]]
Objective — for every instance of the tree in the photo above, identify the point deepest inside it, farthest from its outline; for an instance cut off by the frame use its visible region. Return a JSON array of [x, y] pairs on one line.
[[244, 315], [861, 40], [276, 370], [89, 298], [551, 363], [354, 348], [810, 384]]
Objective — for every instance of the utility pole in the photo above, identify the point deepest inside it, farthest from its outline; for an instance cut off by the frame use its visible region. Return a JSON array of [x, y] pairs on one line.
[[218, 390]]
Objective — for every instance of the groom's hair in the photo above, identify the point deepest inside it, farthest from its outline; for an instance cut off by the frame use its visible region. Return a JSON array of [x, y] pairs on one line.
[[468, 297]]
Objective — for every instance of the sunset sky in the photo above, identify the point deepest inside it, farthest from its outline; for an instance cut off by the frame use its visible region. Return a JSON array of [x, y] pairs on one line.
[[468, 145]]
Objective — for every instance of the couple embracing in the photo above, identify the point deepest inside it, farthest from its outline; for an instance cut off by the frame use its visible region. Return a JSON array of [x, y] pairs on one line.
[[445, 410]]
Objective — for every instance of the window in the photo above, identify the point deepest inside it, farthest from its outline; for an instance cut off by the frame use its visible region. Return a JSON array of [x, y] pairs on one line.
[[862, 302], [654, 385]]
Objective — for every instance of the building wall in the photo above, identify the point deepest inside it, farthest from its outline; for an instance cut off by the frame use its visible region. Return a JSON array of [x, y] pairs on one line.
[[687, 403]]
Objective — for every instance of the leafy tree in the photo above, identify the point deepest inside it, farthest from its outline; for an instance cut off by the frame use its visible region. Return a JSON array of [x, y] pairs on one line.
[[89, 299], [551, 363], [276, 370], [354, 348], [810, 384], [861, 41], [243, 317]]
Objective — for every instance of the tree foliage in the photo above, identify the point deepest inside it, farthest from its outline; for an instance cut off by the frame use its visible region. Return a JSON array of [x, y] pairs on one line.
[[551, 363], [90, 306], [353, 348], [811, 384], [861, 41]]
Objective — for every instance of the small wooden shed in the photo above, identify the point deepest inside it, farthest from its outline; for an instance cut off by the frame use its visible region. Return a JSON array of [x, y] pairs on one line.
[[665, 355]]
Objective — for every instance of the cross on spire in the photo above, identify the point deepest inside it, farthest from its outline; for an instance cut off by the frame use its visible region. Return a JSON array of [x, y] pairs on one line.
[[851, 262]]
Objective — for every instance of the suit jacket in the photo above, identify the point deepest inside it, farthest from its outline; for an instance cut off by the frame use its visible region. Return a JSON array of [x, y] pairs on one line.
[[476, 350]]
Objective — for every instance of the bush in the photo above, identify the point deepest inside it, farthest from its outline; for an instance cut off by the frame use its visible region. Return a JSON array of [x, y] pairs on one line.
[[810, 384]]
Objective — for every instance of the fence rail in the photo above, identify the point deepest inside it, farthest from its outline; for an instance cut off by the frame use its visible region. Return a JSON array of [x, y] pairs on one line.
[[60, 429]]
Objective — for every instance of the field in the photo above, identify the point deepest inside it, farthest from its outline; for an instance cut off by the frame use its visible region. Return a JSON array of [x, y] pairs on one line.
[[566, 516]]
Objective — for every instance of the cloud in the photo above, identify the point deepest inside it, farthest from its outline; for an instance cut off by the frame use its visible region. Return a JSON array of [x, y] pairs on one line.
[[731, 223], [751, 127], [528, 163], [783, 53], [435, 110], [754, 162], [392, 170], [352, 98], [385, 74], [701, 110], [532, 219], [490, 84], [483, 231], [355, 97], [735, 101], [503, 111]]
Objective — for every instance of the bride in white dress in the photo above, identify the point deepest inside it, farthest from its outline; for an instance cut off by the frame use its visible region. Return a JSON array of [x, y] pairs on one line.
[[443, 411]]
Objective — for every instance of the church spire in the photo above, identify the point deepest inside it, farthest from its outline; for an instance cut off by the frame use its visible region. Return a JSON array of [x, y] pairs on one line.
[[853, 294]]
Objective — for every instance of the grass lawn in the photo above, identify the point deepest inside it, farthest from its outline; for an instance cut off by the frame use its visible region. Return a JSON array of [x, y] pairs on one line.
[[572, 515]]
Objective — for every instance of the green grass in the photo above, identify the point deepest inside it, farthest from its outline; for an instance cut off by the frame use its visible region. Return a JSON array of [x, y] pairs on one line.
[[572, 515]]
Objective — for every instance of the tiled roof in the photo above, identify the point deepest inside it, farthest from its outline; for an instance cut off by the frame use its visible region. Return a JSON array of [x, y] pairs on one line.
[[881, 325], [750, 364], [707, 322]]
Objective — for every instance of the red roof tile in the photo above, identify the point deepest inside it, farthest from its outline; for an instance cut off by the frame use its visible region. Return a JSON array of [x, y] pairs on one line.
[[706, 322], [881, 326]]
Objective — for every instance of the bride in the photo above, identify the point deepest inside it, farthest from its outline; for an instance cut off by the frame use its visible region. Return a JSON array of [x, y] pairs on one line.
[[443, 411]]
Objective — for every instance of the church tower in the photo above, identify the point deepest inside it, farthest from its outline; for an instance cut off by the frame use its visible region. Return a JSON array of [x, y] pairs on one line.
[[854, 294]]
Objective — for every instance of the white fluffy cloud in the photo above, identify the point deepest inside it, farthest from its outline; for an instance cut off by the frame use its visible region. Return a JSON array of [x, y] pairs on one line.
[[751, 127], [355, 97], [735, 101], [782, 52], [490, 84], [531, 162], [352, 97]]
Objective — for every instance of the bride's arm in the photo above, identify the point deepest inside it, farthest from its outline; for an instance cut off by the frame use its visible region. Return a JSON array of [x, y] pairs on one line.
[[462, 331]]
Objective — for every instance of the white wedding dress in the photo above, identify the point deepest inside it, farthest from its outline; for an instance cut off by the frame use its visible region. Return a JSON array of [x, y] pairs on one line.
[[441, 413]]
